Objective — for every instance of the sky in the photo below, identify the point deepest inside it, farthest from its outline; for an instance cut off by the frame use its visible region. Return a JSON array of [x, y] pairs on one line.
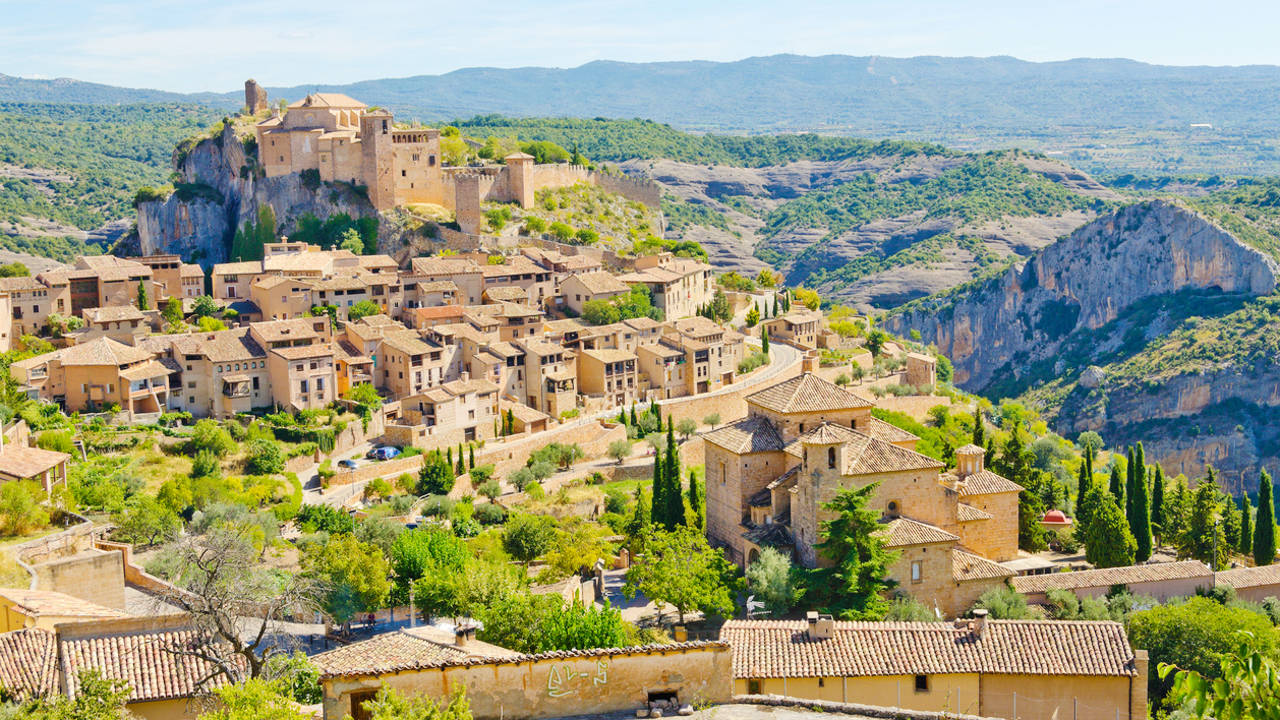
[[213, 45]]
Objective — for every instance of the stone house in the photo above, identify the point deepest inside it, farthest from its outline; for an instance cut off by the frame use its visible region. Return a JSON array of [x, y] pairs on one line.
[[102, 281], [21, 609], [32, 301], [95, 375], [580, 289], [551, 384], [800, 327], [608, 378], [806, 439], [712, 352], [679, 285], [1034, 670]]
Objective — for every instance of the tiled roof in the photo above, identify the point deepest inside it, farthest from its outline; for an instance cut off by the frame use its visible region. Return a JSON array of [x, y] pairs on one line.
[[299, 352], [970, 449], [248, 267], [807, 393], [112, 313], [698, 326], [221, 346], [146, 659], [1106, 577], [600, 282], [1248, 577], [609, 355], [404, 649], [12, 284], [985, 482], [26, 462], [828, 434], [782, 648], [149, 369], [292, 329], [102, 351], [902, 532], [752, 435], [509, 293], [320, 100], [969, 513], [773, 534], [437, 286], [882, 430], [969, 566], [864, 455], [407, 343], [37, 603], [28, 663]]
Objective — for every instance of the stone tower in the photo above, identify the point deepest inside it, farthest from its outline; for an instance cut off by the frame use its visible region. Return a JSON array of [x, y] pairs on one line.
[[466, 203], [255, 97], [377, 158], [519, 166]]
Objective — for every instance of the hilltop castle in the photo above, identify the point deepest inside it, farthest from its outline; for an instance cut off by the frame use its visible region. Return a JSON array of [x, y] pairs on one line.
[[347, 141]]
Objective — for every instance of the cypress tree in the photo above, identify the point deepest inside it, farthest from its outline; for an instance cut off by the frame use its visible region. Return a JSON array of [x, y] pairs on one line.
[[979, 432], [659, 491], [142, 296], [1117, 487], [674, 515], [1264, 527], [696, 502], [656, 412], [633, 415], [764, 340], [459, 469], [1086, 498], [1246, 526], [1140, 526], [1157, 502], [471, 458], [1130, 477], [448, 455]]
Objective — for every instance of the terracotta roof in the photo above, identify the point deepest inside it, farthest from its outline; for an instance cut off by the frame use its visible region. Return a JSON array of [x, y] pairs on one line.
[[600, 282], [698, 327], [299, 352], [509, 293], [902, 532], [752, 435], [321, 100], [248, 267], [102, 351], [439, 311], [438, 286], [641, 323], [384, 655], [37, 603], [985, 482], [970, 566], [292, 329], [26, 462], [1249, 577], [406, 648], [882, 430], [970, 449], [144, 658], [113, 313], [782, 648], [407, 343], [807, 393], [539, 347], [28, 663], [149, 369], [12, 284], [969, 513], [828, 434], [608, 355], [220, 346], [864, 455], [474, 385], [1106, 577]]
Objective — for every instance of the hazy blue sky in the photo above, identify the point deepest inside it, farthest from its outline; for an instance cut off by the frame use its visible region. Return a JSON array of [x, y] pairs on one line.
[[190, 45]]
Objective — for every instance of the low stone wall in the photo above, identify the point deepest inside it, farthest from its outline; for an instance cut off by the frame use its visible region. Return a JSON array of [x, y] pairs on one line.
[[559, 684], [591, 435], [91, 575]]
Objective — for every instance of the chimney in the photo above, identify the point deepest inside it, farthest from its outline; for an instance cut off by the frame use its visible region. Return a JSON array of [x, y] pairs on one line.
[[465, 376], [820, 626], [979, 623], [463, 634]]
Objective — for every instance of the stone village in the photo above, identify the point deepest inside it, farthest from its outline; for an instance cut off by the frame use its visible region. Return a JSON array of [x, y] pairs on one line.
[[486, 347]]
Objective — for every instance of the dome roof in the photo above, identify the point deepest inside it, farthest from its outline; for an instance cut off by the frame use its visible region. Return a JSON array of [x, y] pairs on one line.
[[1055, 516]]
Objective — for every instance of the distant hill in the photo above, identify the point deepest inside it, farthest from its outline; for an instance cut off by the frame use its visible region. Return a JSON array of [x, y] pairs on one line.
[[66, 90]]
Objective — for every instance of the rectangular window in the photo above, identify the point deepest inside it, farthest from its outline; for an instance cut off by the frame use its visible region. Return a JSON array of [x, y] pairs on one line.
[[753, 687], [922, 683], [255, 382], [917, 572]]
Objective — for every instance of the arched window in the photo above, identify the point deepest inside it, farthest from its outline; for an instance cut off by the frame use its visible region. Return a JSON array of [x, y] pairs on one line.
[[831, 457]]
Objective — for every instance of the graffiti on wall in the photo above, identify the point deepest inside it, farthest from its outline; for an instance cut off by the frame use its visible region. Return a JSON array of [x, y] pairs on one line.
[[564, 680]]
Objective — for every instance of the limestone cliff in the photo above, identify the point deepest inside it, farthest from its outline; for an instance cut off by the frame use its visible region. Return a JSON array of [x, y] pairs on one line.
[[1151, 323], [219, 191], [1083, 282]]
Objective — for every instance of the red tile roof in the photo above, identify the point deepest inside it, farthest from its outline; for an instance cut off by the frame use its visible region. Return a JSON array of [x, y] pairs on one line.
[[807, 393], [28, 663], [783, 648]]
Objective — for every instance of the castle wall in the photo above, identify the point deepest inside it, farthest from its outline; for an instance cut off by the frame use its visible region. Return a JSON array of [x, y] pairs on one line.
[[645, 192]]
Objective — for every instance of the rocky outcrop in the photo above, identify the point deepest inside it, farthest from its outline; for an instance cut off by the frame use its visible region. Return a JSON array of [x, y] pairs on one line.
[[1081, 282], [220, 191]]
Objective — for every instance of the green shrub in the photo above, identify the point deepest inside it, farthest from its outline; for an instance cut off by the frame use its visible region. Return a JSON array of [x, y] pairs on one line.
[[490, 514]]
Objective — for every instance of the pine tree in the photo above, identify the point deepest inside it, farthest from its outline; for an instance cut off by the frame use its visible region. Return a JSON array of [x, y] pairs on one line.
[[1157, 503], [696, 506], [1264, 527], [1246, 526], [1140, 525]]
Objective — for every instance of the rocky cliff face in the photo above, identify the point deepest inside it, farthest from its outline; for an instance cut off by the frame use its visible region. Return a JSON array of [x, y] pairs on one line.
[[1083, 282], [1150, 324], [199, 224]]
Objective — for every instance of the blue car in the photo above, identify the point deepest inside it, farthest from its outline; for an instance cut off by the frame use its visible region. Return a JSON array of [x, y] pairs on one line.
[[386, 452]]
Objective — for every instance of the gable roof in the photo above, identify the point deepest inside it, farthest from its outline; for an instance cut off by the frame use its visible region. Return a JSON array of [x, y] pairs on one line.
[[865, 455], [403, 649], [751, 435], [985, 482], [807, 393], [783, 648], [599, 282], [902, 532], [970, 566], [102, 351], [327, 99], [25, 462], [881, 430]]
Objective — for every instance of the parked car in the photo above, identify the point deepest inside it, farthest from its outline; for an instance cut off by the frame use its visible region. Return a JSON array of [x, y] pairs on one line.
[[347, 464], [386, 452]]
